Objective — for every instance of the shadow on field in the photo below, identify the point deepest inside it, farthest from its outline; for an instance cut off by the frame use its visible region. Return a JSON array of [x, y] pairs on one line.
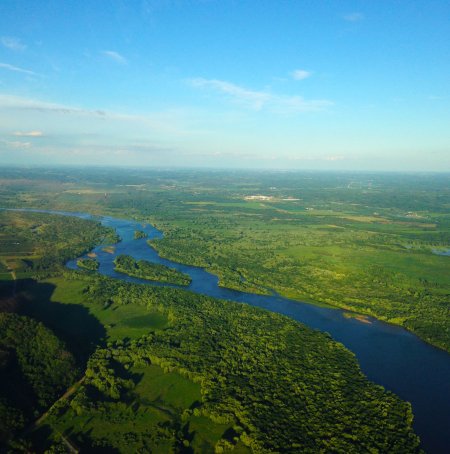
[[71, 323], [8, 300]]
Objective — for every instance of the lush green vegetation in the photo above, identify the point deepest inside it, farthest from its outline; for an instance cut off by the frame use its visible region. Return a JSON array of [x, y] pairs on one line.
[[39, 244], [138, 234], [351, 269], [170, 371], [214, 375], [89, 264], [35, 366], [151, 271], [35, 369], [358, 241]]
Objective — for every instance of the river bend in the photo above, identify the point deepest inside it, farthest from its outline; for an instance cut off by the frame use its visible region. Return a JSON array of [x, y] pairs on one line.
[[389, 355]]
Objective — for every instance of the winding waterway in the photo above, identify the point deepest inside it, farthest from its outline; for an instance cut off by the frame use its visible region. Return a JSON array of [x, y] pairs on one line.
[[389, 355]]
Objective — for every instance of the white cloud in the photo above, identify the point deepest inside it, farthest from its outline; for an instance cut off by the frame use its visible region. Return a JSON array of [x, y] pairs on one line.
[[21, 113], [353, 17], [253, 99], [301, 74], [259, 100], [17, 69], [17, 145], [28, 134], [115, 56], [12, 43]]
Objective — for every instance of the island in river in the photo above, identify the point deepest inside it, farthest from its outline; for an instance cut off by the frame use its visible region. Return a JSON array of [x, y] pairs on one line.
[[150, 271]]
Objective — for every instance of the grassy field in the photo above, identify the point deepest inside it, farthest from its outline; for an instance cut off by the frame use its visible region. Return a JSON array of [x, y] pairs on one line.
[[118, 321], [152, 409], [156, 401], [169, 389]]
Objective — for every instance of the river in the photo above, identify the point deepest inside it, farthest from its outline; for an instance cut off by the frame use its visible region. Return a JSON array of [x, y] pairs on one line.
[[389, 355]]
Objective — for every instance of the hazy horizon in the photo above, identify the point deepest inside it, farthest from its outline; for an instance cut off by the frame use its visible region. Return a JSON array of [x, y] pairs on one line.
[[341, 86], [168, 168]]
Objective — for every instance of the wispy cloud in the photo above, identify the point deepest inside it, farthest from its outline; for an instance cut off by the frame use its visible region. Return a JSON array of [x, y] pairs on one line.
[[301, 74], [259, 100], [28, 134], [17, 69], [12, 43], [115, 56], [16, 145], [19, 103], [353, 17], [171, 122], [253, 99]]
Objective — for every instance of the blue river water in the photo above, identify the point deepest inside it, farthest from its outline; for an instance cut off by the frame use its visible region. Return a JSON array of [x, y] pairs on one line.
[[388, 355]]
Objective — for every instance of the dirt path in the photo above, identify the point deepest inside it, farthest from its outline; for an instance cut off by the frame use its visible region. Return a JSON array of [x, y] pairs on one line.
[[41, 418], [67, 394], [69, 444]]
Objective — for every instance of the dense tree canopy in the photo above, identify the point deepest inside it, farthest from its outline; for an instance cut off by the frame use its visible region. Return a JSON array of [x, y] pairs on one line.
[[151, 271], [35, 368]]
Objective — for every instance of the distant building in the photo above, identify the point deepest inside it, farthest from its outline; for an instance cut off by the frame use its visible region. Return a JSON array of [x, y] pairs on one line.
[[258, 197]]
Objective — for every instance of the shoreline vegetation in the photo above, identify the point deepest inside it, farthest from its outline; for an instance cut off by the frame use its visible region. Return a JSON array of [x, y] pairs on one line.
[[416, 322], [168, 370], [429, 322], [150, 271], [89, 264]]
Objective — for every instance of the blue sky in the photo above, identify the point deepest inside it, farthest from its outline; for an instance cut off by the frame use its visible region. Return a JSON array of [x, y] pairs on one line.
[[359, 85]]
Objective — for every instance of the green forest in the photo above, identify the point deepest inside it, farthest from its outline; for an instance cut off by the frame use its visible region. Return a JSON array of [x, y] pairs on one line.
[[255, 379], [89, 264], [38, 244], [35, 369], [91, 363], [150, 271]]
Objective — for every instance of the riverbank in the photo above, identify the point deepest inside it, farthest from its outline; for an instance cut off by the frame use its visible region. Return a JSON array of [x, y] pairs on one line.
[[388, 355]]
